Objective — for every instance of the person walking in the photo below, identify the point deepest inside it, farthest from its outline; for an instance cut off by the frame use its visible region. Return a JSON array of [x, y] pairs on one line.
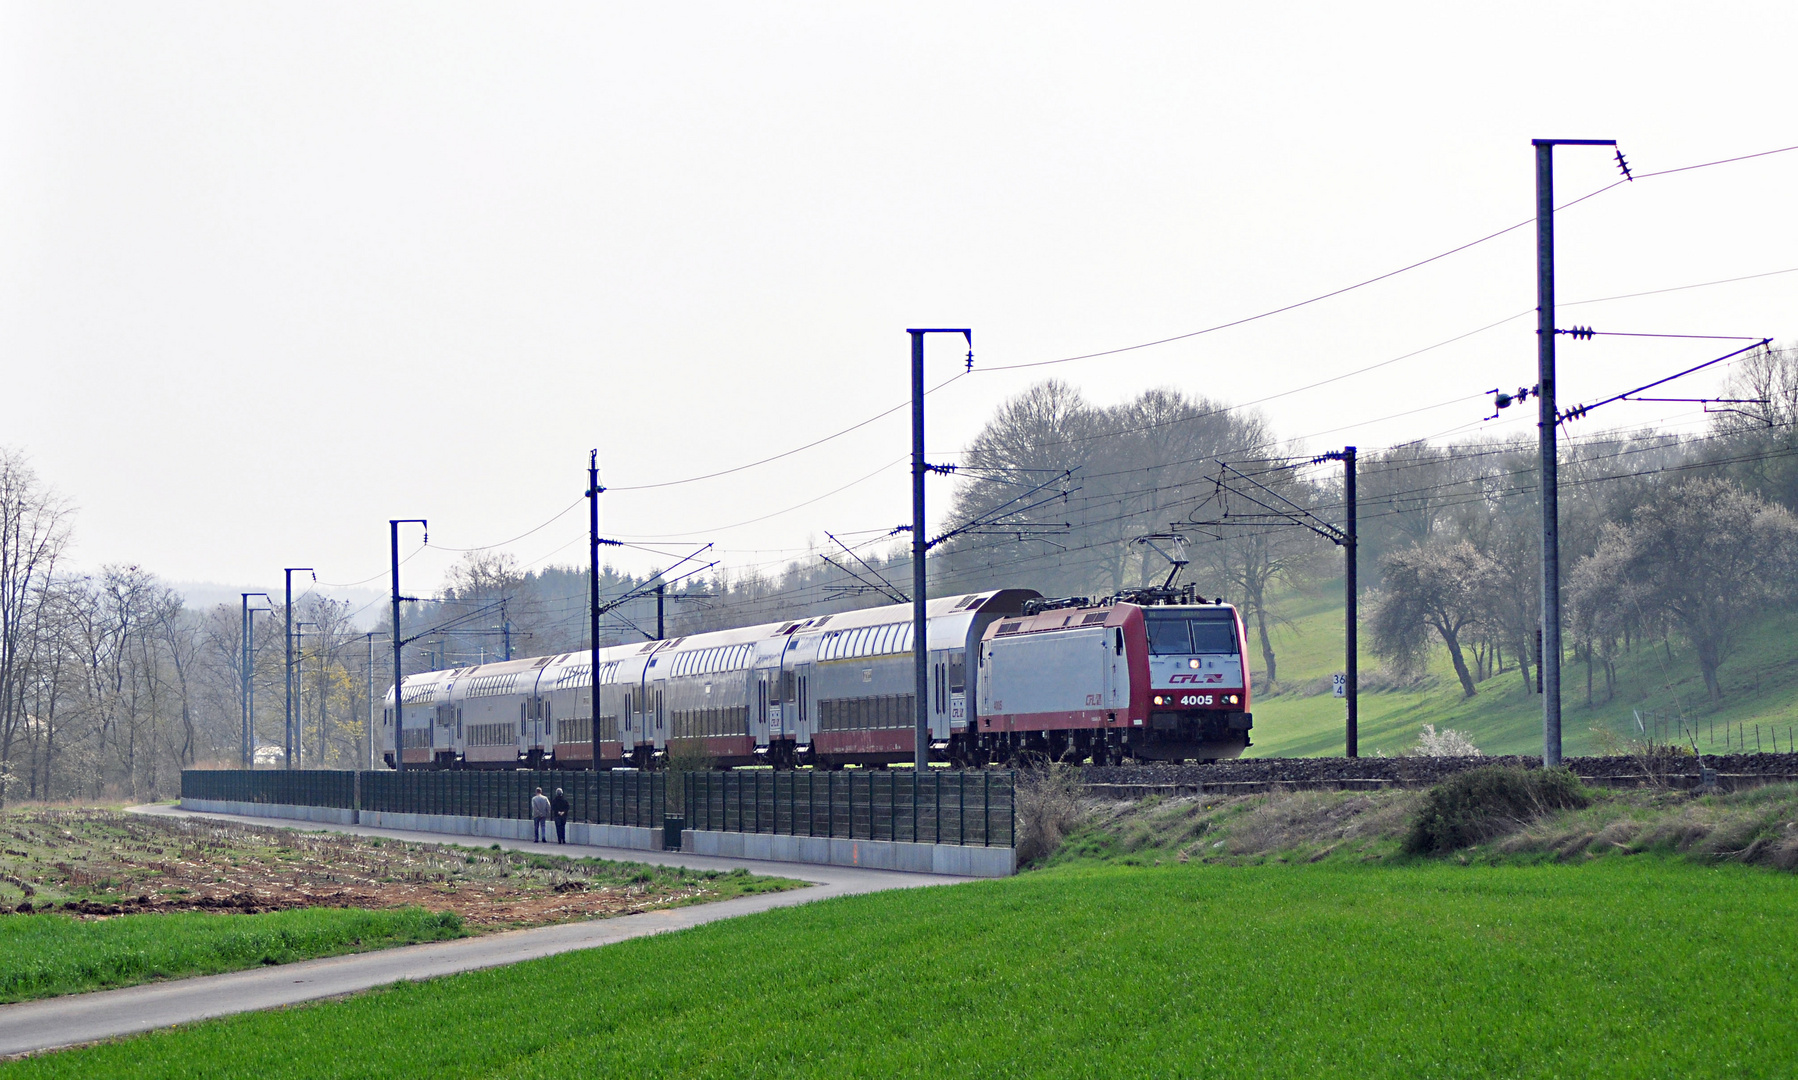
[[539, 815], [559, 807]]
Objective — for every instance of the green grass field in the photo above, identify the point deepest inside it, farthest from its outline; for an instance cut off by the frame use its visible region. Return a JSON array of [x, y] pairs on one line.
[[1760, 686], [45, 955], [1636, 966]]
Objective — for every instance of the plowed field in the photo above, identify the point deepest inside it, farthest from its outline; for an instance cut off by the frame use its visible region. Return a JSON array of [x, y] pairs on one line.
[[100, 863]]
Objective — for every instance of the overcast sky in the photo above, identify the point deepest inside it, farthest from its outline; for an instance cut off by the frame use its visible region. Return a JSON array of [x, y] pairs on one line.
[[273, 274]]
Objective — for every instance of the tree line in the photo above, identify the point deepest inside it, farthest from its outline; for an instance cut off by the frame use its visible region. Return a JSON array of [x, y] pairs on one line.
[[110, 684]]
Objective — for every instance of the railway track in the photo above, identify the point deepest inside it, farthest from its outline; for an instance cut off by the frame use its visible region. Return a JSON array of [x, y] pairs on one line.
[[1256, 775]]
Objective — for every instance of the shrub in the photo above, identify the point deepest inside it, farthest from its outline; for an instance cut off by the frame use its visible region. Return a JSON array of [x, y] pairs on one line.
[[1480, 804], [1048, 803], [1445, 743]]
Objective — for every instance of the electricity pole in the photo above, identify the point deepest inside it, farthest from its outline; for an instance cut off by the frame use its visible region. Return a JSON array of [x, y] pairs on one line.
[[1351, 622], [371, 700], [249, 679], [298, 720], [661, 596], [505, 627], [324, 679], [292, 747], [919, 543], [243, 680], [593, 490], [399, 697], [1550, 664]]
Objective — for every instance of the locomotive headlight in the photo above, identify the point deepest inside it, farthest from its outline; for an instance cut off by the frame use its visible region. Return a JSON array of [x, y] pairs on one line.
[[1229, 699], [1158, 699], [1193, 663]]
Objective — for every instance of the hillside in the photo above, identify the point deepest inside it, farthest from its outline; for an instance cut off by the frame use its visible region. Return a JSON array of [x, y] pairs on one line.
[[1303, 719]]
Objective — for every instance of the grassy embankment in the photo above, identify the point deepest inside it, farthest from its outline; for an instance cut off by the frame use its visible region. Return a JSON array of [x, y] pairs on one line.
[[46, 955], [1760, 686], [1282, 935], [1637, 967], [1755, 826]]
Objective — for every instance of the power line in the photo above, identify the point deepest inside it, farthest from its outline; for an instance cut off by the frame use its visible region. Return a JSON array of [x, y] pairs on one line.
[[1369, 281], [1180, 337], [786, 453], [537, 528]]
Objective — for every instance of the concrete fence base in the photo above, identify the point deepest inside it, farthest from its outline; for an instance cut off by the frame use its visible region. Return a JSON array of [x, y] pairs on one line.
[[328, 814], [635, 838], [874, 854], [579, 832]]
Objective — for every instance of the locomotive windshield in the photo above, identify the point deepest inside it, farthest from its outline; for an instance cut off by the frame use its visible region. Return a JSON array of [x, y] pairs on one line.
[[1183, 635]]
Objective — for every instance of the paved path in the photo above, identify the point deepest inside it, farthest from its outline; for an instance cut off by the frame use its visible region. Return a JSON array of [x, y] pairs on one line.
[[82, 1018]]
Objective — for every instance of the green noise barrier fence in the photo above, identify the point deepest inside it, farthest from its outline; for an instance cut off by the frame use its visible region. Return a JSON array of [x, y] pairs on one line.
[[938, 806], [601, 798], [334, 788]]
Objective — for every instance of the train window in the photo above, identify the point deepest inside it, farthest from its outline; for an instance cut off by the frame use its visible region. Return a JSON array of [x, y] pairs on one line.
[[1168, 636], [1213, 636], [958, 672]]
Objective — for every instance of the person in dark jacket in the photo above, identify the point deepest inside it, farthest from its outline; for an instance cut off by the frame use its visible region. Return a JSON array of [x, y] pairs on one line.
[[559, 806]]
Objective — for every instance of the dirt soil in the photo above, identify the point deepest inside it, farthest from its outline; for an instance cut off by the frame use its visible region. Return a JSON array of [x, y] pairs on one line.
[[97, 863]]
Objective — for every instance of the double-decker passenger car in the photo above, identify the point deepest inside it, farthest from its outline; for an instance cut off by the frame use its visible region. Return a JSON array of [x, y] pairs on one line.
[[1154, 674]]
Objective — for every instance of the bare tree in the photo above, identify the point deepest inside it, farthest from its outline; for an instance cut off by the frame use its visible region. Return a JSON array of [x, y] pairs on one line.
[[1706, 556], [33, 532], [1436, 587]]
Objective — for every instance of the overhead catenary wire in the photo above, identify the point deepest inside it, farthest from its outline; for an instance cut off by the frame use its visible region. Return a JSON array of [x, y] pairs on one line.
[[844, 431], [1190, 334], [1372, 280]]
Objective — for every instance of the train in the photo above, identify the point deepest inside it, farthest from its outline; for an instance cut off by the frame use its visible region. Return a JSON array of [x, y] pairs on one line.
[[1152, 674]]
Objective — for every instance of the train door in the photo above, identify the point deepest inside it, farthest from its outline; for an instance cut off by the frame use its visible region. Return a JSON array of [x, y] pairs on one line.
[[958, 687], [762, 716], [631, 723], [1116, 665], [803, 680], [785, 705], [659, 736], [798, 710], [765, 710], [939, 696]]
